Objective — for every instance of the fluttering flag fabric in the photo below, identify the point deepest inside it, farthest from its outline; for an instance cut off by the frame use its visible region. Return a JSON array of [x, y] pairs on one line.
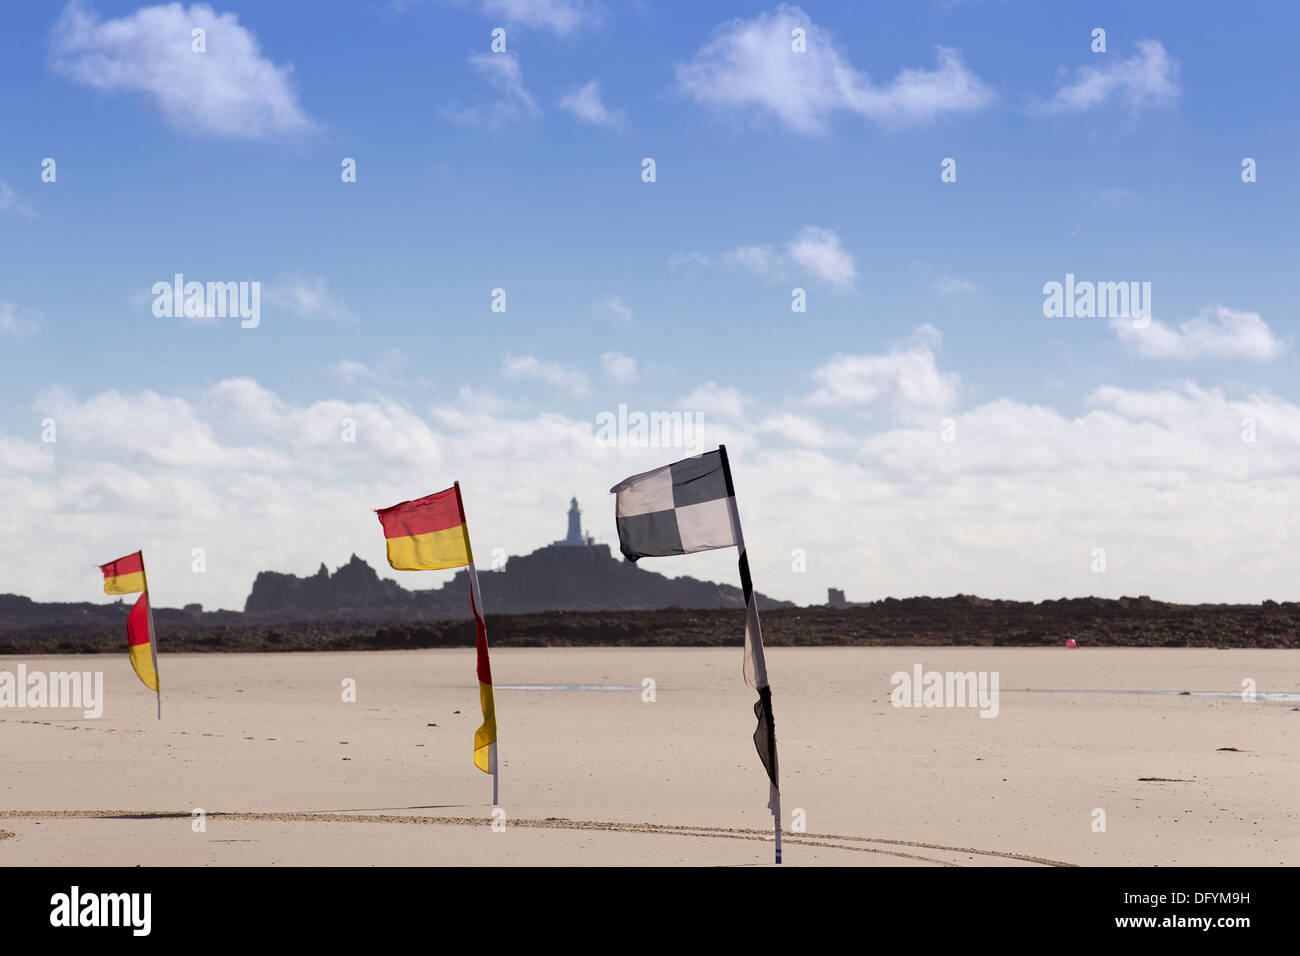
[[431, 534], [690, 506], [677, 509], [427, 534], [126, 576], [140, 643]]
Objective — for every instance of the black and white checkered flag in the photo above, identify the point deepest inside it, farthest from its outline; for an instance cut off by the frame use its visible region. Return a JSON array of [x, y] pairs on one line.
[[690, 506]]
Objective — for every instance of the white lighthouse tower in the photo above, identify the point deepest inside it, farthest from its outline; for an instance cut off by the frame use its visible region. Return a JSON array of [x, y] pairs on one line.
[[575, 538]]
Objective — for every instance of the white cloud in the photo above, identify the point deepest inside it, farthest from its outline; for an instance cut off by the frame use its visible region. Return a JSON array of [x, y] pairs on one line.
[[950, 285], [16, 321], [1218, 333], [819, 252], [716, 401], [760, 260], [800, 430], [516, 105], [905, 380], [1014, 507], [1150, 77], [231, 90], [560, 16], [612, 309], [9, 202], [619, 367], [749, 64], [585, 103], [350, 371], [565, 377], [813, 251], [18, 455], [309, 297], [472, 401]]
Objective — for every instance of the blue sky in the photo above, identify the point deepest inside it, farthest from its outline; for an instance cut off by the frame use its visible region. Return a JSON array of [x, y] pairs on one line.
[[774, 170]]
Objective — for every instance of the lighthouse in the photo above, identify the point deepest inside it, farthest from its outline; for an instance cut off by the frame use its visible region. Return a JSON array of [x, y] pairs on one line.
[[575, 538]]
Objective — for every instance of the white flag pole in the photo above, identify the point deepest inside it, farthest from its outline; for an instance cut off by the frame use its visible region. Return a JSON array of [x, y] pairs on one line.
[[755, 666]]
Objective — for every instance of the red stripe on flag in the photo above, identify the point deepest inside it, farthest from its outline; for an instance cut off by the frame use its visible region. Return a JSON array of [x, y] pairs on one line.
[[436, 512], [484, 665], [137, 622], [131, 564]]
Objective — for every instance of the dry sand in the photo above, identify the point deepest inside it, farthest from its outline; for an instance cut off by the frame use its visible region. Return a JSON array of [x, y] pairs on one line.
[[290, 774]]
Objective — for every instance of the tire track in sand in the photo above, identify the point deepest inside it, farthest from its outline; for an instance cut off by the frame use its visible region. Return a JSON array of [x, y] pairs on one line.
[[827, 840]]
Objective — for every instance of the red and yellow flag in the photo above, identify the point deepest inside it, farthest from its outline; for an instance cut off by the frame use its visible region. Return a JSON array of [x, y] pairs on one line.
[[139, 639], [430, 534], [126, 576], [427, 534]]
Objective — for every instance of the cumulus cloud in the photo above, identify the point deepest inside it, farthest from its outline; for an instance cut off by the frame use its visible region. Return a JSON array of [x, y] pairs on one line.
[[1217, 333], [619, 367], [818, 251], [750, 65], [564, 377], [1014, 505], [813, 251], [514, 108], [1150, 77], [585, 103], [716, 401], [800, 430], [906, 380], [231, 90]]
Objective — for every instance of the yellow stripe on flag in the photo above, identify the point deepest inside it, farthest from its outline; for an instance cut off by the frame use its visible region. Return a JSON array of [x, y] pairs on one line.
[[434, 551], [142, 661], [486, 735], [125, 583]]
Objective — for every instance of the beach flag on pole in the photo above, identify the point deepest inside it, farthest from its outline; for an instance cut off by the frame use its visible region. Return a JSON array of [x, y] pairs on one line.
[[126, 576], [690, 506], [431, 534]]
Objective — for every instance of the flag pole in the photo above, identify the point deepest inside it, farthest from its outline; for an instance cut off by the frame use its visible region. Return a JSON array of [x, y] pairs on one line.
[[755, 663], [153, 635], [476, 598], [476, 603]]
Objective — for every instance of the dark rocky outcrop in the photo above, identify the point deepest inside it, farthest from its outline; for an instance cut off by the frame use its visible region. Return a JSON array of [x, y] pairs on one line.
[[921, 622], [354, 585], [554, 578]]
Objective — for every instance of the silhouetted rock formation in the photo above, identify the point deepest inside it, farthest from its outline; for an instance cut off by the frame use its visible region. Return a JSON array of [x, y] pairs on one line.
[[354, 585], [554, 578]]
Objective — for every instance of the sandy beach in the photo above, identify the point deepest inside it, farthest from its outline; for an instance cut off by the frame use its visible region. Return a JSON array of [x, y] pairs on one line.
[[288, 773]]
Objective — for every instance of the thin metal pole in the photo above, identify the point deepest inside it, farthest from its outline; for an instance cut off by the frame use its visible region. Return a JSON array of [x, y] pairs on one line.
[[755, 659], [776, 828], [476, 602], [153, 636]]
